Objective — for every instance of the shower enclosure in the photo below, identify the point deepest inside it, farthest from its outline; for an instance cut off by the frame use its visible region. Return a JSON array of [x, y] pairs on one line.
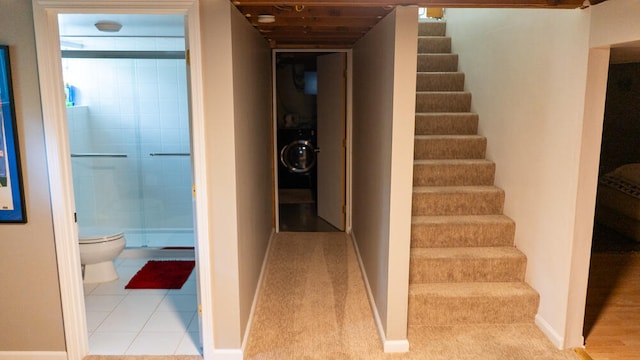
[[128, 122]]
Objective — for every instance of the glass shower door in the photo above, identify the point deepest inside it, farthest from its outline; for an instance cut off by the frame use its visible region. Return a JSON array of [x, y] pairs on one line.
[[165, 153]]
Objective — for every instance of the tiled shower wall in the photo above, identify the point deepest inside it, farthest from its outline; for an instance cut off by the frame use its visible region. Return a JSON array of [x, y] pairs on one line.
[[132, 107]]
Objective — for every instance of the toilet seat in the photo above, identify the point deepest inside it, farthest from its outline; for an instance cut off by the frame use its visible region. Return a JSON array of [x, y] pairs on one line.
[[96, 239]]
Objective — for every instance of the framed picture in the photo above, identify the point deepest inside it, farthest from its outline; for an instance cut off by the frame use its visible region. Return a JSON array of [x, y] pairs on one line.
[[11, 193]]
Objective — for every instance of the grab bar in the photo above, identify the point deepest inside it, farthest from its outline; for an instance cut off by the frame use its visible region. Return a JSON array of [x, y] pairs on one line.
[[170, 154], [110, 155]]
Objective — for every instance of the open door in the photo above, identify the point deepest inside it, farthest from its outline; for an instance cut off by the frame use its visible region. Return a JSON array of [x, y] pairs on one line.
[[331, 102]]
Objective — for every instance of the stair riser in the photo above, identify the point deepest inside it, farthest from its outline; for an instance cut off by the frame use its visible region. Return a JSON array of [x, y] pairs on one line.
[[432, 28], [461, 235], [443, 102], [437, 311], [424, 271], [437, 62], [446, 124], [434, 45], [473, 148], [447, 81], [453, 175], [478, 203]]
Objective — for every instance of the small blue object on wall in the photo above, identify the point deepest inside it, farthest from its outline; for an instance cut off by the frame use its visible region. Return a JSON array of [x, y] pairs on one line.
[[70, 94], [12, 208]]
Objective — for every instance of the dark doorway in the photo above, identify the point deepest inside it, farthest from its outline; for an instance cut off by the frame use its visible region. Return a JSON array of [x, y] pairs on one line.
[[615, 253], [296, 77]]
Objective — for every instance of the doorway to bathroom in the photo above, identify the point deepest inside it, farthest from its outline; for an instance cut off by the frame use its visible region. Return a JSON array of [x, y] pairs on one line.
[[125, 80], [311, 137]]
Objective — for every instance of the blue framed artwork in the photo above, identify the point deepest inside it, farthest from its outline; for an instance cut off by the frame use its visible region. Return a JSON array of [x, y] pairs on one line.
[[11, 193]]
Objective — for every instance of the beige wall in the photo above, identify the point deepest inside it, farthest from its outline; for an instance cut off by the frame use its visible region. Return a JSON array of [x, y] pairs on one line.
[[384, 76], [615, 22], [527, 70], [237, 111], [30, 306], [252, 113]]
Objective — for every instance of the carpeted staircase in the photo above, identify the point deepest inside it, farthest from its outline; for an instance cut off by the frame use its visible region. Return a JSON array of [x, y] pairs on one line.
[[464, 266]]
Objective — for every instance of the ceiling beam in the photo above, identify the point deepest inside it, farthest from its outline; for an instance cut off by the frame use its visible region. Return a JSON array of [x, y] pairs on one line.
[[318, 22], [313, 11], [569, 4]]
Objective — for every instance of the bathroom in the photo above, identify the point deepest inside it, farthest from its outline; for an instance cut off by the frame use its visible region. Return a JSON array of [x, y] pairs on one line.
[[129, 132], [125, 79]]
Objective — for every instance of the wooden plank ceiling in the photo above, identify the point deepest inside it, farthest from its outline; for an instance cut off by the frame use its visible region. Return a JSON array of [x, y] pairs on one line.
[[335, 24]]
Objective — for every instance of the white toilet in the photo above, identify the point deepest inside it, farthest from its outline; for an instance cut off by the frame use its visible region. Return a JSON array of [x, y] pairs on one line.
[[97, 252]]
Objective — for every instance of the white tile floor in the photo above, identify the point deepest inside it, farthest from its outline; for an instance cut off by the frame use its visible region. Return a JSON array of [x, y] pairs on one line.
[[141, 322]]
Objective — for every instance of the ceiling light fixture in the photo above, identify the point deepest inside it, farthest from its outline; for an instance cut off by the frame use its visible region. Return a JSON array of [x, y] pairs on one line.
[[266, 19], [108, 26]]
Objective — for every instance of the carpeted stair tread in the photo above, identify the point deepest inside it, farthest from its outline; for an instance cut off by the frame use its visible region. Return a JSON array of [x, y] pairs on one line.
[[434, 45], [464, 264], [472, 303], [457, 200], [453, 172], [443, 101], [437, 123], [437, 62], [432, 28], [440, 81], [462, 230], [449, 147], [485, 342]]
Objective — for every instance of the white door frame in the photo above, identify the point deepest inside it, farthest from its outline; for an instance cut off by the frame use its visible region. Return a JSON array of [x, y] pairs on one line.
[[348, 135], [45, 13]]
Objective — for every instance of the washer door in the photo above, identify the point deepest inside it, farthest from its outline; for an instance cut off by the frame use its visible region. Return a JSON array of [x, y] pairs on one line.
[[299, 156]]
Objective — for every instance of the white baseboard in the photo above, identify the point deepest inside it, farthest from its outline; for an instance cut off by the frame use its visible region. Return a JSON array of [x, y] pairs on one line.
[[33, 355], [228, 354], [389, 346], [247, 331], [545, 327], [396, 346]]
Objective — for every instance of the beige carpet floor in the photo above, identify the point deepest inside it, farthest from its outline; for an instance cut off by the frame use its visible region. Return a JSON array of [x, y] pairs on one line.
[[313, 305]]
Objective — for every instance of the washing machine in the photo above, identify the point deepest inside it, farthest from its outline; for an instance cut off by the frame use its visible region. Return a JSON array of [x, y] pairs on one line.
[[297, 155]]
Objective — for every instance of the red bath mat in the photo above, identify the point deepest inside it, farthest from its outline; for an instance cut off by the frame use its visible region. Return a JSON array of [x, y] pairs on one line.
[[162, 275]]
